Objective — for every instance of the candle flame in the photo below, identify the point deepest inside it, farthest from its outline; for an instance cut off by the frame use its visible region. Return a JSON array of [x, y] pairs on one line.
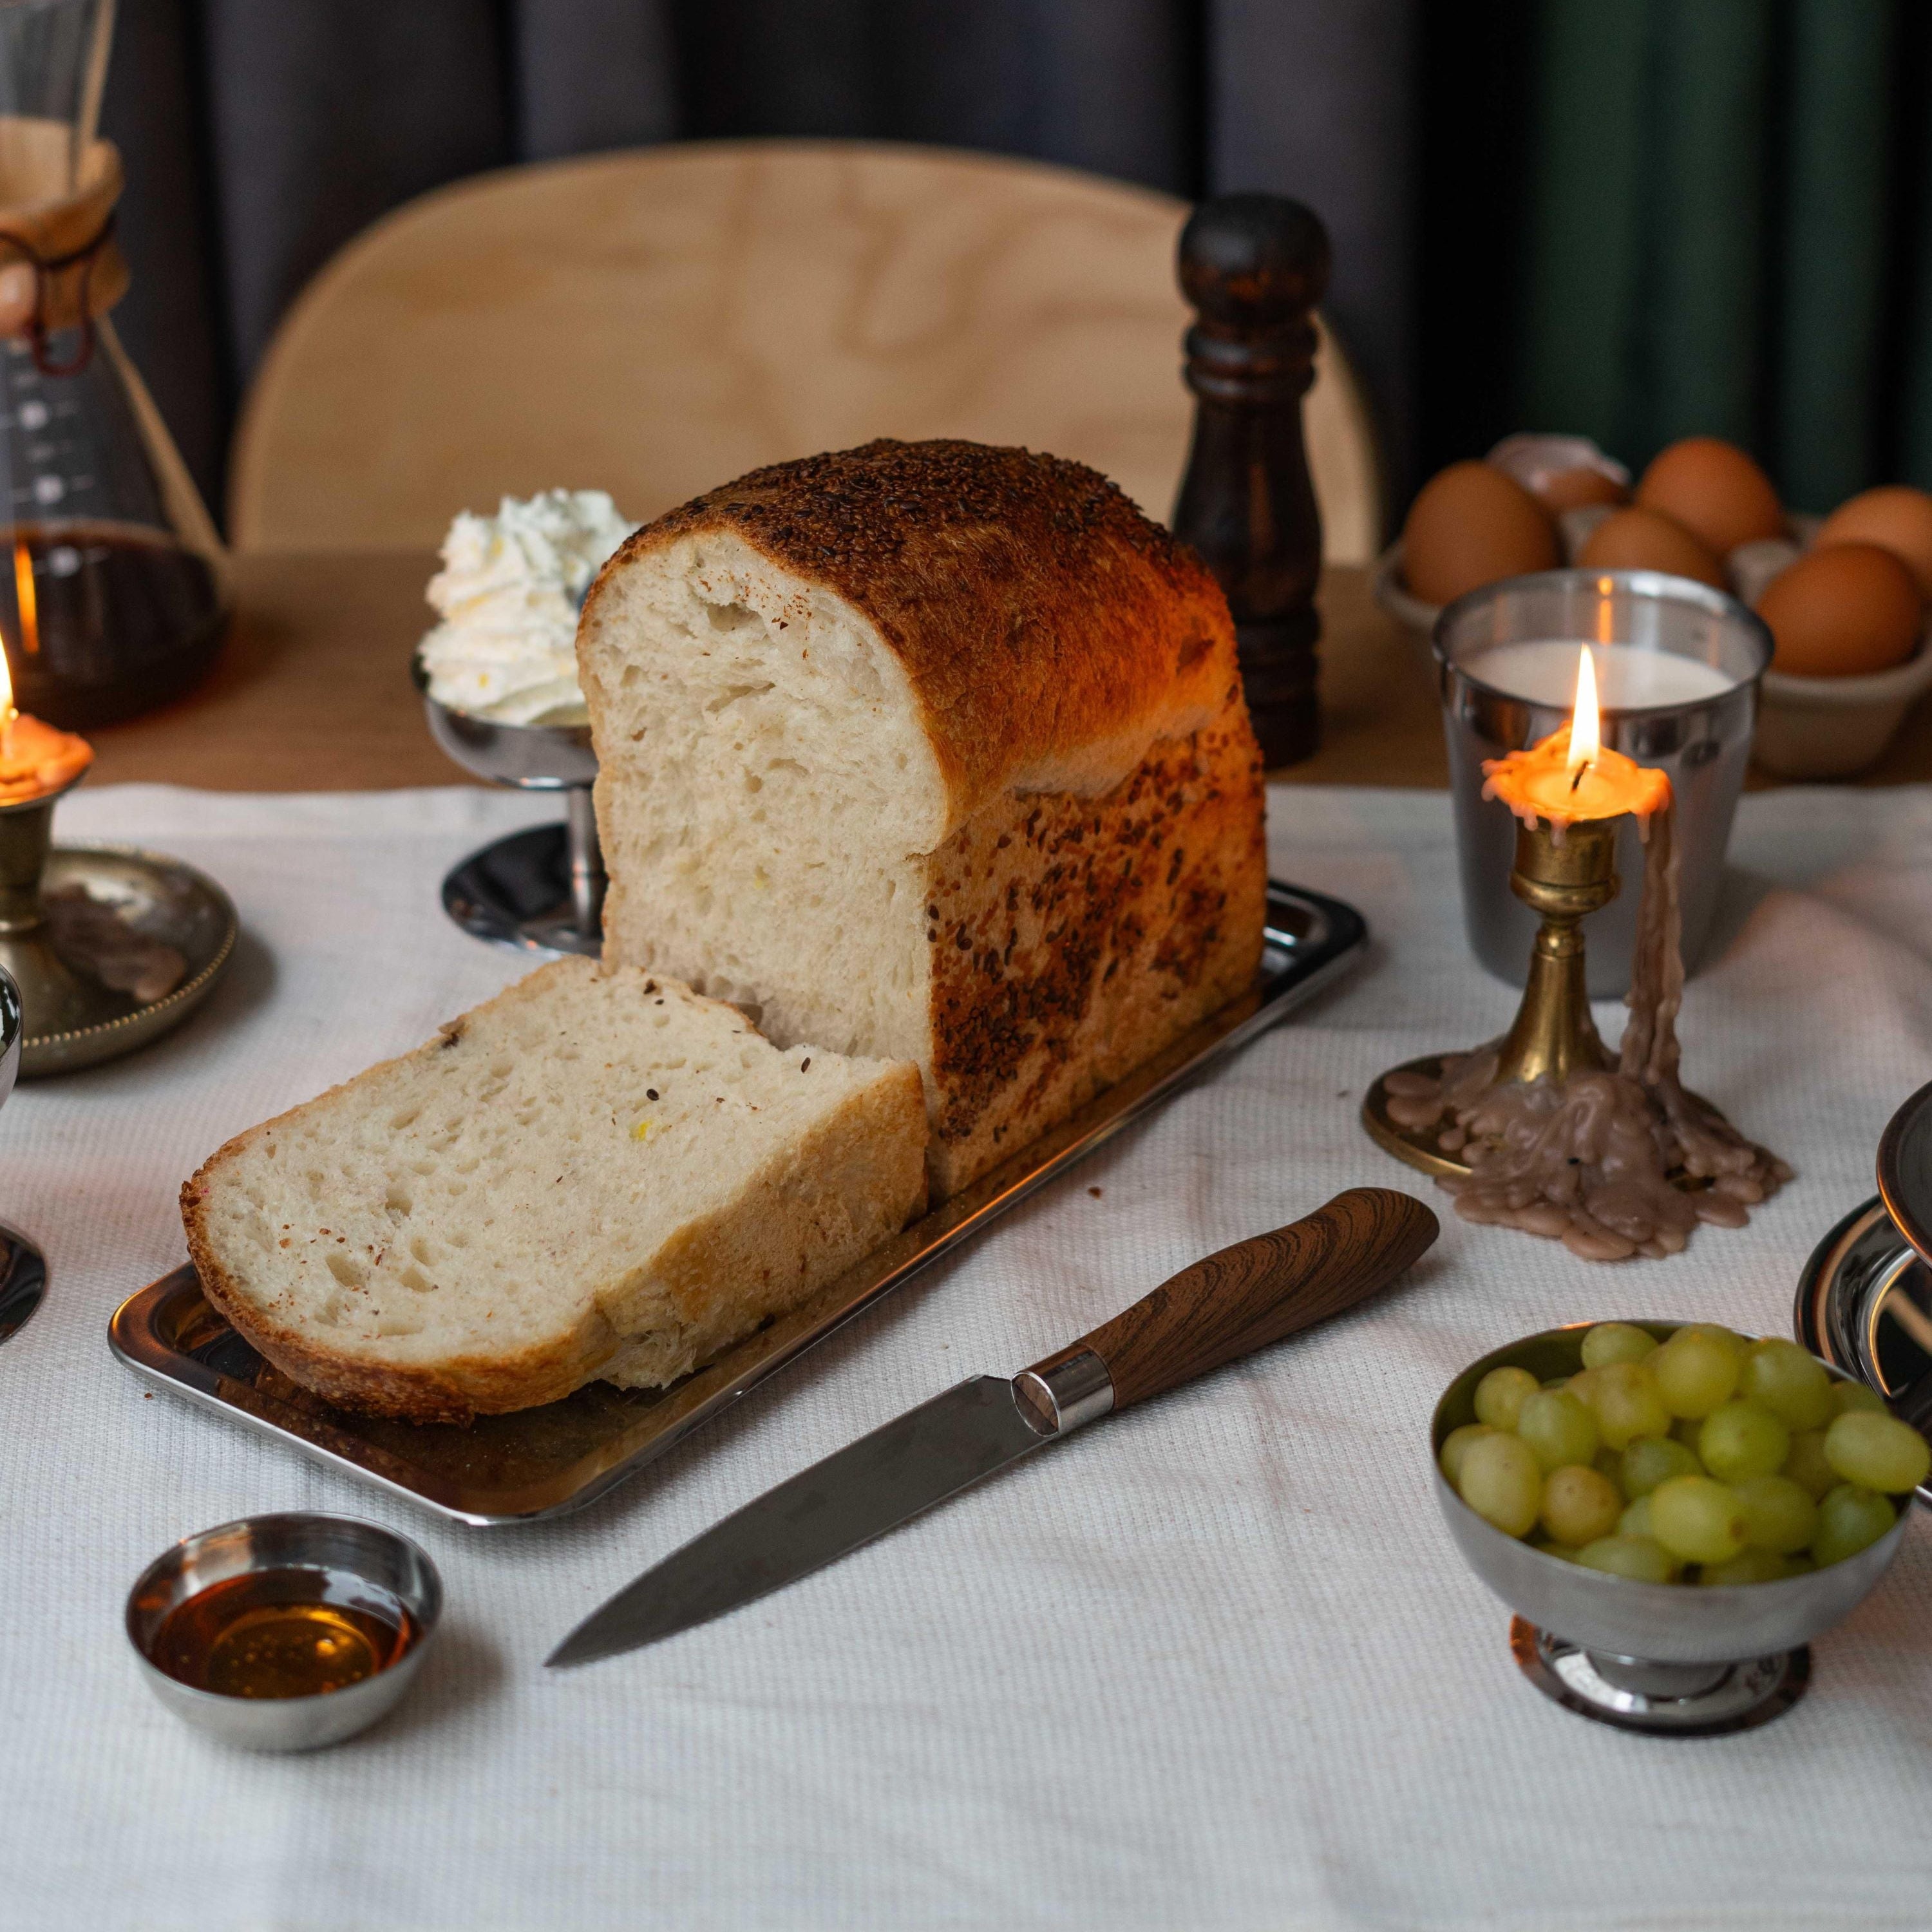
[[1585, 736], [7, 713], [24, 594]]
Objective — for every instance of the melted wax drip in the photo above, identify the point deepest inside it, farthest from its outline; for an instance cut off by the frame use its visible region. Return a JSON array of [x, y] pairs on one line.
[[1588, 1162]]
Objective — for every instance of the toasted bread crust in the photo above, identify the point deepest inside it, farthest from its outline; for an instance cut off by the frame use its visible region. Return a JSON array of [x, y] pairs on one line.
[[1072, 938], [1037, 612]]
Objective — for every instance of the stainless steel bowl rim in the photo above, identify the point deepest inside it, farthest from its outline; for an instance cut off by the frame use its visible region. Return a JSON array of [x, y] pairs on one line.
[[1652, 584], [426, 1610], [1910, 1214], [576, 737]]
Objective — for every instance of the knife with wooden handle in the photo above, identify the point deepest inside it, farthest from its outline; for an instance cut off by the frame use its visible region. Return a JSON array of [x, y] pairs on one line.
[[1245, 1297]]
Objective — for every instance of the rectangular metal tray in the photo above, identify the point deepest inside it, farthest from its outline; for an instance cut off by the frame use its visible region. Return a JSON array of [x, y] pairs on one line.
[[540, 1463]]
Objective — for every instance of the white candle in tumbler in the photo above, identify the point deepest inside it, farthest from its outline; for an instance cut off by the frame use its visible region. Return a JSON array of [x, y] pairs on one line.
[[1544, 671]]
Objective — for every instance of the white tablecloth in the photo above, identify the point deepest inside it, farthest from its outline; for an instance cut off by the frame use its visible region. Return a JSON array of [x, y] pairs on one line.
[[1214, 1663]]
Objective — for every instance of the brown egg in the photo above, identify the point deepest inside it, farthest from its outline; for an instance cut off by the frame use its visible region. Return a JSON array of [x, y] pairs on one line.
[[1470, 525], [1573, 489], [1715, 491], [1636, 539], [1895, 518], [1842, 611]]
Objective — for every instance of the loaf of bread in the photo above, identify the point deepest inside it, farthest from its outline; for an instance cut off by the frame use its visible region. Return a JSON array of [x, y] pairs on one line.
[[596, 1174], [930, 751]]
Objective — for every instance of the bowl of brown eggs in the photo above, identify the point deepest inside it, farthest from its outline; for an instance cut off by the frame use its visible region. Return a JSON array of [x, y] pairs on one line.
[[1846, 596]]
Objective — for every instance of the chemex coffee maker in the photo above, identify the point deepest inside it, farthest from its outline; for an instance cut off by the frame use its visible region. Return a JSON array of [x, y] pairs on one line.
[[111, 591]]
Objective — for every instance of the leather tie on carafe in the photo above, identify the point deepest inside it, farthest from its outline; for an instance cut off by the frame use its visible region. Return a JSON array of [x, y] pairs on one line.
[[60, 264]]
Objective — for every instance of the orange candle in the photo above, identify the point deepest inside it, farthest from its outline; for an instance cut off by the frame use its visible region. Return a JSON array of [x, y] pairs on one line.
[[35, 758], [1572, 775]]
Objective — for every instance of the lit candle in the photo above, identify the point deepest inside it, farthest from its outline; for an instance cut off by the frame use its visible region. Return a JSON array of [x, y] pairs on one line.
[[35, 758], [1572, 775]]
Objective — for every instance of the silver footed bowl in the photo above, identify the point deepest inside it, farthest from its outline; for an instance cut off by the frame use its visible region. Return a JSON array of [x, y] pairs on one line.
[[532, 758], [1613, 1617]]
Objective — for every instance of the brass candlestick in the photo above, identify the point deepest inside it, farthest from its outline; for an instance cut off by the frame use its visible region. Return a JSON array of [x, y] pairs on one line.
[[1563, 879]]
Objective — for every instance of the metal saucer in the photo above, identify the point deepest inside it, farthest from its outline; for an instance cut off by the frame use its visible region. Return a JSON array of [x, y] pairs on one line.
[[73, 1020], [538, 891]]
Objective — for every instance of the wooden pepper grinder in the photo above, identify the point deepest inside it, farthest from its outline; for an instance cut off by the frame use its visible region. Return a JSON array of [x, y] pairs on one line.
[[1252, 267]]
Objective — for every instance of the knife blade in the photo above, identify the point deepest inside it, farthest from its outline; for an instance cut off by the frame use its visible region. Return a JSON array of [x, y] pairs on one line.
[[1245, 1297]]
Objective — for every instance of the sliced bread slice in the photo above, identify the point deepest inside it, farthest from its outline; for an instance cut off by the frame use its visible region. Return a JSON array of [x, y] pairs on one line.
[[598, 1173]]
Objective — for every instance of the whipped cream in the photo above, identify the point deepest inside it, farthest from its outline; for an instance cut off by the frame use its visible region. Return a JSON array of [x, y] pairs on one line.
[[508, 593]]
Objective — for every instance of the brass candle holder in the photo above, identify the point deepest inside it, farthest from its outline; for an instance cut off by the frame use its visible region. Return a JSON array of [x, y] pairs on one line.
[[1562, 879]]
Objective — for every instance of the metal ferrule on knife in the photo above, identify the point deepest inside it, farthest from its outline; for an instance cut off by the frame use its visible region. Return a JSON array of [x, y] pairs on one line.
[[1058, 1395]]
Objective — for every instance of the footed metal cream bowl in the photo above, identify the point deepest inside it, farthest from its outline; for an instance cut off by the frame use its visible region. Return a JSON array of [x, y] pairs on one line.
[[1675, 1660], [539, 891]]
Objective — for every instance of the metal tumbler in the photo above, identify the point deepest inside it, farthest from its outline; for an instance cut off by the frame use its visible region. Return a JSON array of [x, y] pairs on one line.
[[1703, 742]]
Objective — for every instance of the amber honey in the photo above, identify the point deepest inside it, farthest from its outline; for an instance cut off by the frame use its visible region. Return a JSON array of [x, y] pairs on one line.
[[283, 1634]]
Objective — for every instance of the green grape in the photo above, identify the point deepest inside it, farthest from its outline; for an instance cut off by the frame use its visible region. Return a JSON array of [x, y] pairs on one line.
[[1849, 1519], [1626, 1404], [1641, 1558], [1558, 1428], [1563, 1551], [1455, 1446], [1501, 1395], [1791, 1384], [1652, 1460], [1848, 1396], [1806, 1465], [1779, 1514], [1695, 1372], [1697, 1520], [1615, 1342], [1583, 1386], [1799, 1566], [1635, 1520], [1607, 1462], [1715, 1331], [1748, 1566], [1556, 1381], [1877, 1452], [1684, 1429], [1579, 1505], [1742, 1439], [1502, 1482]]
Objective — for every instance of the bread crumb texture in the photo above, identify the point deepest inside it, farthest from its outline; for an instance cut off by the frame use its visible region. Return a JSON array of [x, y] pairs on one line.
[[597, 1174]]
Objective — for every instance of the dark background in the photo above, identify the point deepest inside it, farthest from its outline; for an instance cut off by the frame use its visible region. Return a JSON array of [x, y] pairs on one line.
[[1634, 218]]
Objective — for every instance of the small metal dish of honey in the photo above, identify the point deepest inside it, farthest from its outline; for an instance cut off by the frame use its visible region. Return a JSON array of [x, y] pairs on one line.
[[285, 1633]]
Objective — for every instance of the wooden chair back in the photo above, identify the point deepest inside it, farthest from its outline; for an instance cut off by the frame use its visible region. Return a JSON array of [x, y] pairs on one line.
[[656, 322]]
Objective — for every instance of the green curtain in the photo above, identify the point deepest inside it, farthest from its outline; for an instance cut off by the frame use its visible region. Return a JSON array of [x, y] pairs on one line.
[[1728, 231]]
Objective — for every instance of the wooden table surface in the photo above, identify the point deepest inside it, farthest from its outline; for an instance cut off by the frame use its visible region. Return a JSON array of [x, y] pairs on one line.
[[312, 692]]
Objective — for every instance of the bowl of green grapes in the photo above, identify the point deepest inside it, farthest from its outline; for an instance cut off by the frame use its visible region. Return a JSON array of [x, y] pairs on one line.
[[1672, 1510]]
